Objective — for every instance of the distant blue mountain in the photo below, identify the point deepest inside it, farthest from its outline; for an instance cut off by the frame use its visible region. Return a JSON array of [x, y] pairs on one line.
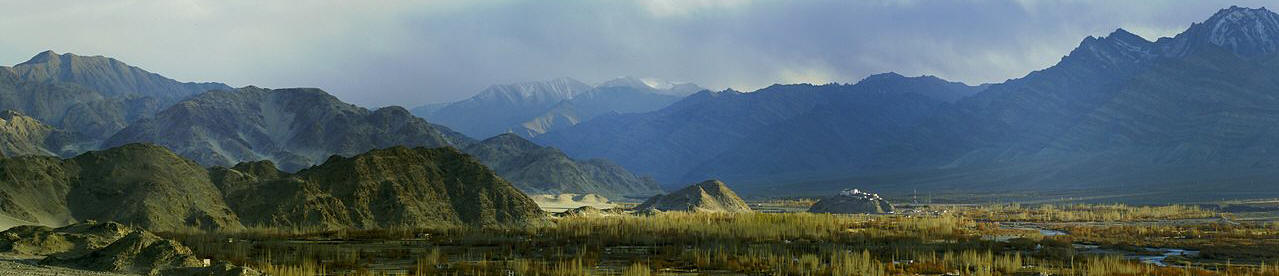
[[776, 130], [1196, 112]]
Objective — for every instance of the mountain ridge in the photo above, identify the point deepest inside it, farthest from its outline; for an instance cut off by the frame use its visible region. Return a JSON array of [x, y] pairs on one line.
[[295, 128], [107, 75], [533, 108]]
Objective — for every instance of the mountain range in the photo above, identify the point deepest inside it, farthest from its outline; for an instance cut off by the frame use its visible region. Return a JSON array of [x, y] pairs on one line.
[[1118, 113], [530, 109], [100, 103]]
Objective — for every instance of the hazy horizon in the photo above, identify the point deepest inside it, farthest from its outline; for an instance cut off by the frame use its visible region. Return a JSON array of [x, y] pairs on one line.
[[411, 54]]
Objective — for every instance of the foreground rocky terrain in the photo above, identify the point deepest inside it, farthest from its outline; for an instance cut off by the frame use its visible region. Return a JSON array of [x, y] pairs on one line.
[[103, 247], [15, 267]]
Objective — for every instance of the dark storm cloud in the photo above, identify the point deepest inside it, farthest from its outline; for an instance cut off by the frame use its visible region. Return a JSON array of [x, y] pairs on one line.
[[409, 53]]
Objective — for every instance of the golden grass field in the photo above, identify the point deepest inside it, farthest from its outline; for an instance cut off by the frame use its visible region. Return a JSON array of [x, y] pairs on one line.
[[927, 240]]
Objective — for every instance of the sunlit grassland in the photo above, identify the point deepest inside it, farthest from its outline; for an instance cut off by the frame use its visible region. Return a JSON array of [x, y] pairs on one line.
[[926, 243], [1083, 213]]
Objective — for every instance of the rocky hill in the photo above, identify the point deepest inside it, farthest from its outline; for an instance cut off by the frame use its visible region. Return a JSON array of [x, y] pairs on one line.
[[137, 184], [294, 128], [153, 188], [393, 187], [711, 196], [543, 170], [23, 135], [852, 201]]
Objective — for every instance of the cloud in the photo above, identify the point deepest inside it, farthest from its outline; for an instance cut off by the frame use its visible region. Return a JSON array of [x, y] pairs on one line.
[[668, 8], [410, 52]]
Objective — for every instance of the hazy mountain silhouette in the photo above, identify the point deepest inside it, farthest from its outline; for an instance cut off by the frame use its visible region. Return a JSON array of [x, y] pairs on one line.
[[533, 108]]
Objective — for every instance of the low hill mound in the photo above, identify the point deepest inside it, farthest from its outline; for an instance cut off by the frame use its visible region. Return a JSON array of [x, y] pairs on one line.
[[708, 196]]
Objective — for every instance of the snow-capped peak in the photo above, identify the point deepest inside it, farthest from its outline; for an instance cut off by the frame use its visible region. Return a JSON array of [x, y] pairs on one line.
[[546, 91], [656, 85], [1247, 32], [627, 81], [1232, 25]]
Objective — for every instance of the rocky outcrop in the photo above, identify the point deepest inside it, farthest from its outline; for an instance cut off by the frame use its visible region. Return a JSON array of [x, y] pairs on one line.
[[590, 211], [852, 201], [23, 135], [110, 247], [710, 196], [393, 187], [536, 169]]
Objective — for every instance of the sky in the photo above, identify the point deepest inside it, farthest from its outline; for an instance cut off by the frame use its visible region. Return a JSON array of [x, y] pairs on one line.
[[409, 53]]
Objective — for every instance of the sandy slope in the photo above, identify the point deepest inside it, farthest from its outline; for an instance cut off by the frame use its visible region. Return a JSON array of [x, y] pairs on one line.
[[563, 202], [7, 222]]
